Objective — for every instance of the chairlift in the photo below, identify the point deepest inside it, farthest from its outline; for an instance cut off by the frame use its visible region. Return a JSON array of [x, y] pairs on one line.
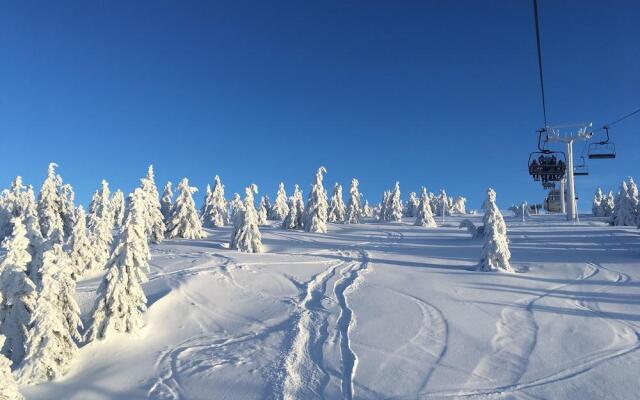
[[581, 169], [547, 166], [602, 150]]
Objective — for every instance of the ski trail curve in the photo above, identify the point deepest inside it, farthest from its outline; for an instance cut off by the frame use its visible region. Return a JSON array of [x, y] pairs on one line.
[[352, 276], [514, 340], [305, 373]]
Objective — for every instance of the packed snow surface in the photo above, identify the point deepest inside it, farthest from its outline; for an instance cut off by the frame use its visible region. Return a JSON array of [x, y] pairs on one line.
[[377, 310]]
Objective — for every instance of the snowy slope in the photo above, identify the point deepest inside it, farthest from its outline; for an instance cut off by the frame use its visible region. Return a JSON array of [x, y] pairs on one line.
[[378, 311]]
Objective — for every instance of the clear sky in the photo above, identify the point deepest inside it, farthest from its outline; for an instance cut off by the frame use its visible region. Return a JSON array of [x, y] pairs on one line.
[[437, 93]]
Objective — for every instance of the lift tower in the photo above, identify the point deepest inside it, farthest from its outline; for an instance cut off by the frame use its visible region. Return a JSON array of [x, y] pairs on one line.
[[568, 134]]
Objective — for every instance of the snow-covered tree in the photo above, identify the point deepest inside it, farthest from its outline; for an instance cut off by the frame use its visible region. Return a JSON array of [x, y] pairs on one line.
[[383, 213], [51, 342], [424, 217], [206, 203], [185, 222], [280, 208], [34, 235], [155, 220], [442, 204], [67, 208], [294, 217], [354, 212], [597, 207], [121, 300], [608, 204], [18, 292], [263, 210], [100, 224], [495, 252], [315, 214], [394, 206], [117, 203], [8, 385], [412, 205], [166, 202], [337, 209], [246, 235], [367, 212], [79, 247], [13, 203], [235, 206], [626, 206], [50, 203], [217, 214], [458, 205]]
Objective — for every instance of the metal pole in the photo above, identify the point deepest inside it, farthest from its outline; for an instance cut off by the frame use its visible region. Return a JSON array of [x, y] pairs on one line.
[[523, 205], [444, 204], [571, 211], [563, 196]]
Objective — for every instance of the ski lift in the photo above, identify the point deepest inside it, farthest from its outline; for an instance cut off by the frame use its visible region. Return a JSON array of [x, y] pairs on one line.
[[547, 166], [602, 150], [581, 169]]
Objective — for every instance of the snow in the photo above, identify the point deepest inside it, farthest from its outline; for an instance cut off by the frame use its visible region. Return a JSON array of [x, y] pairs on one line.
[[376, 310]]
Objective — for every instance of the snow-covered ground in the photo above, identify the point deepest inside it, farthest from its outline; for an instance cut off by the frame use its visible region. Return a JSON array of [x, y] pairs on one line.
[[377, 310]]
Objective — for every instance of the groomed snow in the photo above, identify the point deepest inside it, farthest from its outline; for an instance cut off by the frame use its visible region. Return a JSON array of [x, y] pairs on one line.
[[377, 310]]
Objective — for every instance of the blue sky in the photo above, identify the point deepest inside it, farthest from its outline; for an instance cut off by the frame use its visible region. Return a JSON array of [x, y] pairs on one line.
[[436, 93]]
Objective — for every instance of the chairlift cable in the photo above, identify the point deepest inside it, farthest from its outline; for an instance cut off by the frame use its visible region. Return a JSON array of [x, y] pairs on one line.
[[537, 24], [621, 118]]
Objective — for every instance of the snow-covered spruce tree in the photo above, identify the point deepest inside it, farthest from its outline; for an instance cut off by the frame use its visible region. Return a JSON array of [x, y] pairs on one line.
[[354, 212], [280, 208], [34, 235], [294, 218], [166, 202], [337, 210], [217, 214], [608, 205], [367, 212], [424, 217], [155, 220], [383, 214], [8, 385], [246, 235], [50, 203], [412, 205], [263, 210], [596, 206], [67, 208], [315, 214], [458, 205], [51, 342], [206, 203], [290, 220], [185, 222], [495, 252], [18, 292], [121, 300], [79, 247], [12, 204], [117, 203], [100, 224], [235, 206], [443, 204], [625, 211], [395, 204]]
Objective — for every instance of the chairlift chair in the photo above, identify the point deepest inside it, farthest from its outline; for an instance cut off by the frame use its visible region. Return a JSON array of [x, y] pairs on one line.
[[602, 150], [581, 169], [547, 166]]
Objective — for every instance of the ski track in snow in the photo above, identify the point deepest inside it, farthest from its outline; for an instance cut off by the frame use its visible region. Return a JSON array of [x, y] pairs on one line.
[[352, 276], [572, 369], [424, 351], [305, 375]]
